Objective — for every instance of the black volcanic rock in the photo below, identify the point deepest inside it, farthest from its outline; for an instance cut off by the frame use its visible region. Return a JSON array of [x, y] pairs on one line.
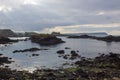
[[35, 54], [103, 67], [5, 60], [28, 50], [5, 40], [46, 39], [74, 55], [110, 60], [61, 52], [67, 48]]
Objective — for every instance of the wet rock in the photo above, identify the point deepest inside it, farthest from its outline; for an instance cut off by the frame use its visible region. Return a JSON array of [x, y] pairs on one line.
[[50, 74], [35, 54], [66, 63], [103, 61], [101, 74], [82, 73], [77, 51], [74, 55], [1, 54], [71, 56], [61, 52], [67, 48], [73, 52], [29, 50], [10, 58], [60, 56], [4, 60], [87, 69], [65, 56], [6, 66]]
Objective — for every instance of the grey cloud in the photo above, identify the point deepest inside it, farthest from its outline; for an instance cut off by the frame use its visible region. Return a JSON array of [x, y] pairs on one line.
[[53, 13]]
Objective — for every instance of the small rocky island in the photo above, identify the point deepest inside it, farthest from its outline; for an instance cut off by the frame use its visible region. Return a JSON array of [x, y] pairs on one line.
[[46, 39]]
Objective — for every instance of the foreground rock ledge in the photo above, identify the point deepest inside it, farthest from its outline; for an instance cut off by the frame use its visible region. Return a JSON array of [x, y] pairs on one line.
[[46, 39], [103, 67]]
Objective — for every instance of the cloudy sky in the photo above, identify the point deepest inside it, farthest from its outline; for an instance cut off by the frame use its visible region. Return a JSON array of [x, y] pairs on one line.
[[61, 15]]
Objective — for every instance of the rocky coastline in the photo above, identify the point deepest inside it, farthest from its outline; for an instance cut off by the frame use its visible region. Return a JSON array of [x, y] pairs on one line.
[[109, 38], [102, 67]]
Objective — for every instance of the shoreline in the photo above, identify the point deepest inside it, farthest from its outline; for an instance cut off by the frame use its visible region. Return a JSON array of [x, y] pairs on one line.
[[97, 68]]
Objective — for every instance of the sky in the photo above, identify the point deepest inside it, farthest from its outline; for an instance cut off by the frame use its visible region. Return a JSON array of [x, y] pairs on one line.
[[65, 16]]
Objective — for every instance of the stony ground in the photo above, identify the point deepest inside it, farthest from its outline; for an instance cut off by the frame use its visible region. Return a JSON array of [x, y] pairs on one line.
[[103, 67]]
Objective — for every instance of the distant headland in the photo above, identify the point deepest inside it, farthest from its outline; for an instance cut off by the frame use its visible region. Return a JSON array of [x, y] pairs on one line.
[[11, 33]]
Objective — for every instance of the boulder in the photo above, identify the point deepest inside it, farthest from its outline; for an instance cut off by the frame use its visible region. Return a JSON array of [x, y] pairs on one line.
[[74, 55], [61, 52]]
